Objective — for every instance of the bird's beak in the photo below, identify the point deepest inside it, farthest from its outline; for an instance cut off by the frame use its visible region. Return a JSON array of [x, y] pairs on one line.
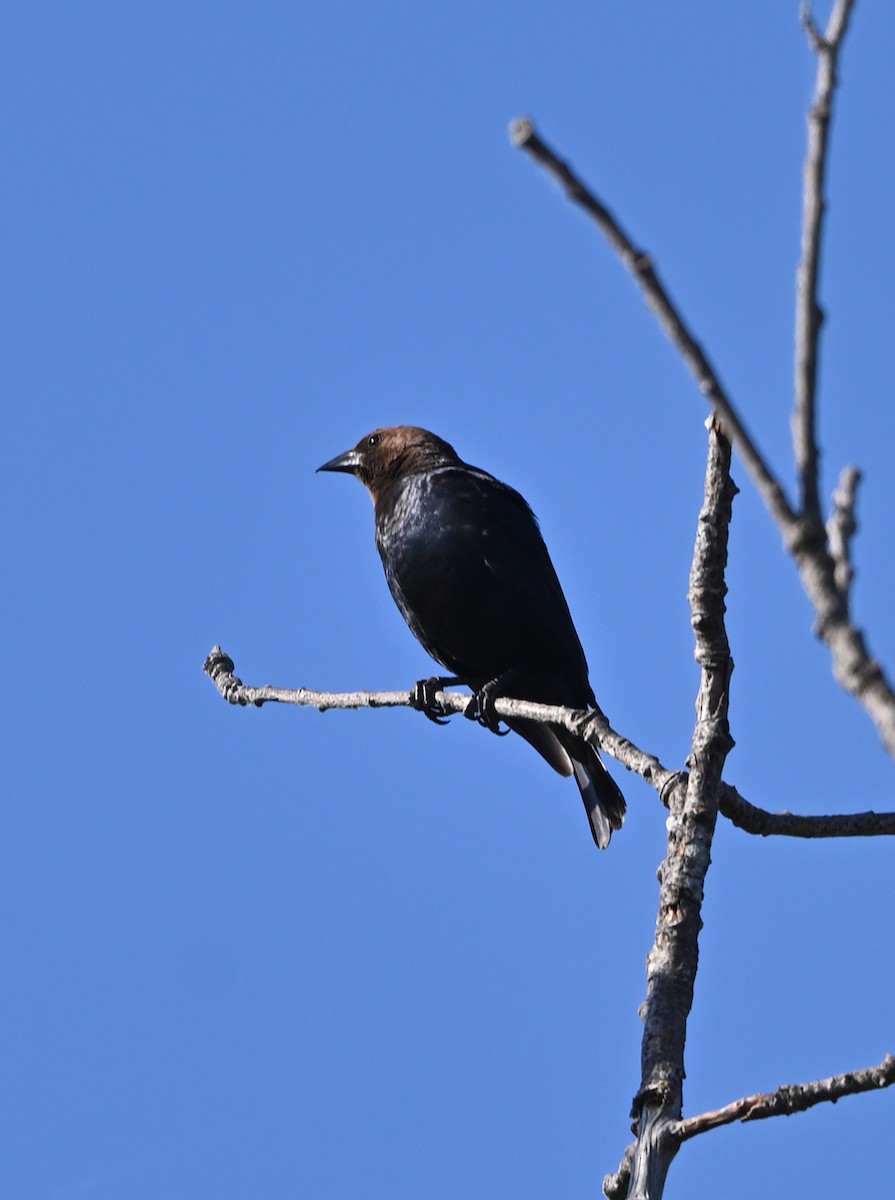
[[347, 462]]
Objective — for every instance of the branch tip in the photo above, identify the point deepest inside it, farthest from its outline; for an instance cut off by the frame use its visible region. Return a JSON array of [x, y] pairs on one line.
[[522, 130], [816, 39]]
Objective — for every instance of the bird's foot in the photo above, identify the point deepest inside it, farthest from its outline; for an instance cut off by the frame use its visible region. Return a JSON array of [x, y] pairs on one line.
[[481, 708], [422, 698]]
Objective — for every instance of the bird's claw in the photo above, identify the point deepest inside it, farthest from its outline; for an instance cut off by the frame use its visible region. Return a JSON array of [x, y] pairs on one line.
[[481, 709], [422, 698]]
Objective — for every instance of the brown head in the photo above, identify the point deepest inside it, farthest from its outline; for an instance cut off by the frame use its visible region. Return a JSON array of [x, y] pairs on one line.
[[387, 455]]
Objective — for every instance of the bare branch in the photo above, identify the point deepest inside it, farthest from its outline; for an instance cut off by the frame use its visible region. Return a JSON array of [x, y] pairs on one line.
[[812, 32], [792, 1098], [786, 824], [803, 532], [673, 960], [809, 316], [853, 665], [593, 726], [841, 528], [638, 262], [219, 667]]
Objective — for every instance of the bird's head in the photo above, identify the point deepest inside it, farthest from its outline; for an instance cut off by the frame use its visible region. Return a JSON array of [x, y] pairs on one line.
[[388, 455]]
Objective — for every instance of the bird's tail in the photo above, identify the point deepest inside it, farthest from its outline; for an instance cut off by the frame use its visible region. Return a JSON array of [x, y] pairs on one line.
[[570, 755], [603, 800]]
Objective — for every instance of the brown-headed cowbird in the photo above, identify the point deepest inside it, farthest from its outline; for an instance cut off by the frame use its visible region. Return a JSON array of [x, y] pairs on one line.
[[468, 568]]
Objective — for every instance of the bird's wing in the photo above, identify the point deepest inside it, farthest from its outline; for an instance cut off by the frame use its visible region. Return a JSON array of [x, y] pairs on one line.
[[523, 581]]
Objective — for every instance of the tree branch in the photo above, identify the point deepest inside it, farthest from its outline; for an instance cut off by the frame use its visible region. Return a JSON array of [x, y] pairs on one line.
[[790, 1099], [803, 532], [755, 820], [673, 960], [809, 316], [592, 726], [640, 265], [841, 528]]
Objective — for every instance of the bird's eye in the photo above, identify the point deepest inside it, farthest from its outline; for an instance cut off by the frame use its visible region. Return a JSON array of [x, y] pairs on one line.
[[374, 439]]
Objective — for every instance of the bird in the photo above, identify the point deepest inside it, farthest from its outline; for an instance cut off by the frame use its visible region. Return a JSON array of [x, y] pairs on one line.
[[468, 568]]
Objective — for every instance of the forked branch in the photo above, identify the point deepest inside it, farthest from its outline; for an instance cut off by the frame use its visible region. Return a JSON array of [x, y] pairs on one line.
[[784, 1102], [821, 570], [593, 726]]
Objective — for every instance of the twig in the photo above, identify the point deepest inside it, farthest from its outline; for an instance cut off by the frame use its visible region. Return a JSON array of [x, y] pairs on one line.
[[219, 667], [591, 725], [672, 962], [809, 316], [640, 265], [790, 1099], [755, 820], [841, 528]]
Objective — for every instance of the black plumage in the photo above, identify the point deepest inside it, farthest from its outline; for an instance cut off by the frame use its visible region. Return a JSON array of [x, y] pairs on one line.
[[469, 570]]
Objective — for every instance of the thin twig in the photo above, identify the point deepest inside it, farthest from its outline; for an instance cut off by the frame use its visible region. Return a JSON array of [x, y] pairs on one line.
[[594, 726], [640, 265], [841, 528], [809, 316], [792, 1098]]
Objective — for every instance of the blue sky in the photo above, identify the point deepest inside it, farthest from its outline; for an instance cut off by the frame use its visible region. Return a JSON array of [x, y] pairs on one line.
[[286, 954]]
